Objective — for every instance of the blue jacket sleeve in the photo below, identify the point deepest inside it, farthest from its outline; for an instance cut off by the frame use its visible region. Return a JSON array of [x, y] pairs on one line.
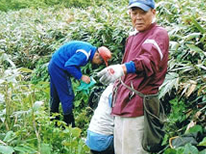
[[130, 67], [73, 64]]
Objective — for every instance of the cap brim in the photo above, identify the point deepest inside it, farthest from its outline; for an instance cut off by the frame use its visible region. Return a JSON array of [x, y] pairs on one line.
[[139, 5]]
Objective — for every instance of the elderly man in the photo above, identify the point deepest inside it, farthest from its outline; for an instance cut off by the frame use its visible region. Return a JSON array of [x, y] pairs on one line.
[[143, 68]]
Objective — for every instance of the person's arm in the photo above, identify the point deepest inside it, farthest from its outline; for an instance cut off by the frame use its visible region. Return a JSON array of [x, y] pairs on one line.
[[154, 54], [113, 72], [72, 66], [149, 62]]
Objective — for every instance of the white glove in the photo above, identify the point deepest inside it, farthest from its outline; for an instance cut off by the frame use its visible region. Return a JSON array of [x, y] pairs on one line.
[[110, 74]]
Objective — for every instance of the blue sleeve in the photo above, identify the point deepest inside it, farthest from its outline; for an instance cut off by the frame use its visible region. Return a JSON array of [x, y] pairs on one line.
[[130, 67], [73, 64]]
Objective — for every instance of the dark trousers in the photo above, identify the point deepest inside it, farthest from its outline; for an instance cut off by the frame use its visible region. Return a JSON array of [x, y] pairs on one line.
[[109, 150]]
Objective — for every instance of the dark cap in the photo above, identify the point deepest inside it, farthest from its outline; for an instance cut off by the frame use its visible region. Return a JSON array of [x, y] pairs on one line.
[[142, 4]]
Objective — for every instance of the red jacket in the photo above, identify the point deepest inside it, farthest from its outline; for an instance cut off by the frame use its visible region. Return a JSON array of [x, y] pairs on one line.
[[149, 52]]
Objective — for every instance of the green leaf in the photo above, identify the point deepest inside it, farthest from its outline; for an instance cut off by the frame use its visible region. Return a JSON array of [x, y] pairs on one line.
[[6, 57], [22, 149], [9, 136], [37, 105], [77, 103], [76, 132], [203, 142], [6, 149], [174, 45], [25, 70], [194, 129], [203, 151], [194, 48], [45, 149], [197, 25], [180, 150], [191, 36], [170, 151], [197, 50], [170, 82], [190, 149]]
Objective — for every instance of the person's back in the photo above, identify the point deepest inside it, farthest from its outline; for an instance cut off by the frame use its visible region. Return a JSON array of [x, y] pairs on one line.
[[65, 52], [100, 131]]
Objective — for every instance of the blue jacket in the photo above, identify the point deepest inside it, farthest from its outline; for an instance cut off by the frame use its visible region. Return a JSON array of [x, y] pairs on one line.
[[71, 56]]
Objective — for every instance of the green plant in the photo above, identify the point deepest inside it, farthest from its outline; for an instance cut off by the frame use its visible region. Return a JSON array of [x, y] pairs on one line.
[[29, 36]]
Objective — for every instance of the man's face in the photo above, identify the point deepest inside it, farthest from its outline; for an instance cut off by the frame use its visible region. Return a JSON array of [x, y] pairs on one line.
[[97, 59], [141, 20]]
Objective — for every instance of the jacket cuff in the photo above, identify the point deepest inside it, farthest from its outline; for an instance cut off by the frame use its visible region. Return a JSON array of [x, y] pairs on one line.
[[130, 67]]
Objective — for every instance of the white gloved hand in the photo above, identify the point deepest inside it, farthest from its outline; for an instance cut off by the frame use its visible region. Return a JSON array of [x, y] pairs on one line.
[[110, 74]]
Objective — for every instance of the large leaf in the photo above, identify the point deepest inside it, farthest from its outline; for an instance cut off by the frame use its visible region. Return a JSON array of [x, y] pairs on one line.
[[203, 142], [45, 149], [203, 151], [170, 82], [190, 149], [6, 149]]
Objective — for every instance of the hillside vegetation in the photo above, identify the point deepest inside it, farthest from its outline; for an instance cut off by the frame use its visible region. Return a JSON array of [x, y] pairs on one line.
[[30, 31]]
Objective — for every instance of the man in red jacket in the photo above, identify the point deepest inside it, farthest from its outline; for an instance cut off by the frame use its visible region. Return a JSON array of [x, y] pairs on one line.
[[143, 68]]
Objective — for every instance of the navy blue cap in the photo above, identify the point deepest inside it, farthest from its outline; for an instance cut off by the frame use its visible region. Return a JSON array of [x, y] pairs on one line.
[[142, 4]]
